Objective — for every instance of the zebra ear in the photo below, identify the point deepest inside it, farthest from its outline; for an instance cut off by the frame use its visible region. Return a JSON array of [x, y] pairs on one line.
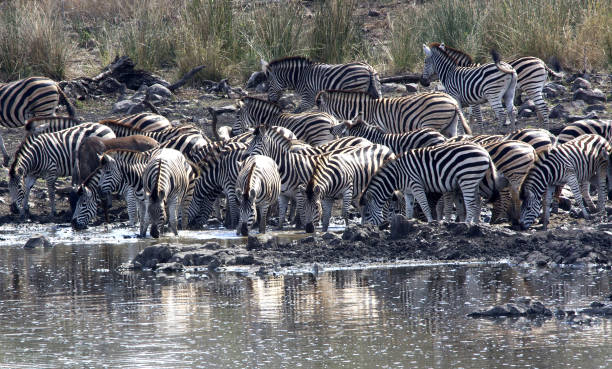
[[322, 95], [426, 50], [252, 194], [302, 187], [264, 66], [442, 47]]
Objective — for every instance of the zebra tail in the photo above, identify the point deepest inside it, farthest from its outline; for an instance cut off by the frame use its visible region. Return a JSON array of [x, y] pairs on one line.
[[466, 127], [64, 100], [499, 181], [375, 88], [557, 69], [501, 66]]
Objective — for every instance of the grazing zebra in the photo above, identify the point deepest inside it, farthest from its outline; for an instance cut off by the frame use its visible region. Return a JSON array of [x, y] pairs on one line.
[[435, 110], [343, 175], [28, 98], [531, 73], [295, 168], [49, 155], [540, 139], [493, 82], [587, 126], [436, 169], [576, 163], [168, 179], [219, 169], [257, 188], [398, 142], [146, 122], [312, 127], [307, 78]]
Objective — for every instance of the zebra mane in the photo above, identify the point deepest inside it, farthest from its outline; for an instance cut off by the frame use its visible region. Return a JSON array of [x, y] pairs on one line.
[[247, 188], [155, 195], [19, 153], [452, 55], [262, 101], [115, 123], [32, 123], [296, 59]]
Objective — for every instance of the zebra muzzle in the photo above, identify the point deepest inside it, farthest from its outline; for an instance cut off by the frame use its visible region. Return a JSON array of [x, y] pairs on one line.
[[244, 229], [310, 228], [76, 225]]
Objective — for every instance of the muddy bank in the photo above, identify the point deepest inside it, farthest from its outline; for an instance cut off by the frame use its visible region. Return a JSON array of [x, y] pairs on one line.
[[406, 240]]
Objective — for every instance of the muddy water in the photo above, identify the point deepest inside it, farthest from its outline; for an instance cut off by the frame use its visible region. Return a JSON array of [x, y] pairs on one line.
[[68, 306]]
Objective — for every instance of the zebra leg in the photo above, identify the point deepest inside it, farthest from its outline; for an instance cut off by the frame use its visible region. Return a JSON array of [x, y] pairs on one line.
[[283, 202], [327, 205], [144, 218], [263, 218], [232, 208], [419, 193], [475, 110], [174, 206], [584, 189], [541, 107], [346, 203], [460, 205], [447, 206], [546, 209], [5, 154], [471, 199], [51, 189], [572, 181], [602, 190], [28, 184], [498, 109], [130, 199]]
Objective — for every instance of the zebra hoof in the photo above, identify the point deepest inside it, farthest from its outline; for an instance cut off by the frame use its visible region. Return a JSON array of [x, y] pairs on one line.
[[310, 228]]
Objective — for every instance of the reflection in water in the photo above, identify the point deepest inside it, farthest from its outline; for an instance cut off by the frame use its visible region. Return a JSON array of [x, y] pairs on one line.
[[67, 307]]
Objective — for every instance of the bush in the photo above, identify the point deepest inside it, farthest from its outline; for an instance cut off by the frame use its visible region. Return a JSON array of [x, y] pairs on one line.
[[336, 34]]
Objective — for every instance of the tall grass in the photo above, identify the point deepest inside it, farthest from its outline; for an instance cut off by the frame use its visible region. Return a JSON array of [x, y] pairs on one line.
[[32, 40], [577, 33], [336, 33]]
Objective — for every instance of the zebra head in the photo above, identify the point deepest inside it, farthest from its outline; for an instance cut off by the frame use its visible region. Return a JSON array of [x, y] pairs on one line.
[[371, 209], [260, 143], [310, 198], [247, 210], [86, 207], [530, 208], [428, 66], [16, 190], [276, 87], [110, 178], [157, 213], [243, 118]]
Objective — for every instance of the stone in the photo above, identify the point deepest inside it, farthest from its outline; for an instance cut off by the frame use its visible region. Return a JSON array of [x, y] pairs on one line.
[[253, 243], [574, 118], [589, 96], [389, 88], [401, 227], [355, 233], [124, 106], [152, 255], [170, 267], [553, 89], [581, 83], [594, 107], [109, 85], [412, 88], [559, 111], [160, 90], [256, 79], [37, 241], [262, 87]]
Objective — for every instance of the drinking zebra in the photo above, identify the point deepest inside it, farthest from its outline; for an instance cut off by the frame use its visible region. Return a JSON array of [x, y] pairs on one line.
[[307, 78], [434, 110], [472, 86], [576, 163], [257, 188]]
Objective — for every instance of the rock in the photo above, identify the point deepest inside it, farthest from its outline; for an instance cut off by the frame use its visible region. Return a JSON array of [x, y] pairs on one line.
[[538, 259], [109, 85], [589, 96], [594, 107], [160, 90], [123, 106], [581, 83], [355, 233], [169, 267], [152, 255], [401, 227], [412, 88], [598, 308], [253, 243], [373, 13], [574, 118], [37, 241], [553, 89], [559, 111], [256, 79], [527, 109], [388, 88], [308, 239], [520, 308], [262, 87]]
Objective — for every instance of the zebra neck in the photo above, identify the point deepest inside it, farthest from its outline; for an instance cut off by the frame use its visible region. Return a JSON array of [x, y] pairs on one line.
[[444, 66]]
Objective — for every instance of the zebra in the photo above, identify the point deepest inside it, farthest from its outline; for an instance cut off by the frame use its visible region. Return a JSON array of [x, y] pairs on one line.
[[540, 139], [38, 125], [337, 144], [168, 180], [342, 175], [49, 155], [219, 169], [531, 73], [587, 126], [312, 127], [576, 163], [398, 142], [295, 168], [493, 82], [307, 78], [126, 129], [28, 98], [435, 110], [257, 188], [146, 122], [435, 169]]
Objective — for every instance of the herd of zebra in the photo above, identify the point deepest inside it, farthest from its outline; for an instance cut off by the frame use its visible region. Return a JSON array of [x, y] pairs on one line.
[[344, 141]]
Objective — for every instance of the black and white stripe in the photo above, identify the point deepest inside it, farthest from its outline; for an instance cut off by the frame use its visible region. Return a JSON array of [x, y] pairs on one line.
[[398, 142], [540, 139], [438, 169], [28, 98], [146, 122], [434, 110], [575, 163], [587, 126], [471, 86], [257, 188], [168, 182], [344, 175], [307, 78], [49, 155], [312, 127]]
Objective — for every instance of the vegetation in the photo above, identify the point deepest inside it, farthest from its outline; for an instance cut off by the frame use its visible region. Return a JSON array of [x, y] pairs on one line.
[[231, 36]]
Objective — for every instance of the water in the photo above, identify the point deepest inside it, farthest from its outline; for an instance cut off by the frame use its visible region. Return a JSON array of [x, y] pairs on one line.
[[68, 306]]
